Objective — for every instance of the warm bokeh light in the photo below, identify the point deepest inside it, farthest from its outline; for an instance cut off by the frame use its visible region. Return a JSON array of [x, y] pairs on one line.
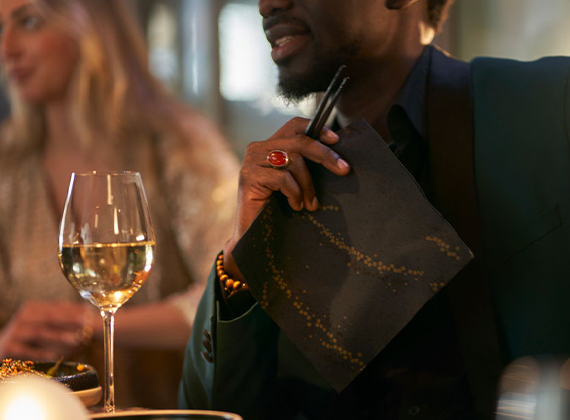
[[36, 398], [24, 406], [246, 69]]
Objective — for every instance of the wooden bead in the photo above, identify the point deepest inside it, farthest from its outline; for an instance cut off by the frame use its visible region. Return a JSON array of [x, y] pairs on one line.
[[229, 285]]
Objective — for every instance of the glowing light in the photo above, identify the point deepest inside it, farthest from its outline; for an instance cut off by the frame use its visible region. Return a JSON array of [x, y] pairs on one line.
[[24, 407], [30, 397]]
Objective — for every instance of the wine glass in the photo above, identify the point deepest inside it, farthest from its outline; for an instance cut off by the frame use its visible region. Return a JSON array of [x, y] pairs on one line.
[[106, 247]]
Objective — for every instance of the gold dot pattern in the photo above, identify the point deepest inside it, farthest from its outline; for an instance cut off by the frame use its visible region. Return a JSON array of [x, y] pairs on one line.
[[327, 336], [436, 287], [445, 248], [369, 262]]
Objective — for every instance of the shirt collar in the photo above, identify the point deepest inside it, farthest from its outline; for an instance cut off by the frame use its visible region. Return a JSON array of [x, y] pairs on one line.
[[407, 116]]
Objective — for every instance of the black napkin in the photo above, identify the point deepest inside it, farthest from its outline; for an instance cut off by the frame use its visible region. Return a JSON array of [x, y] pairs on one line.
[[341, 282]]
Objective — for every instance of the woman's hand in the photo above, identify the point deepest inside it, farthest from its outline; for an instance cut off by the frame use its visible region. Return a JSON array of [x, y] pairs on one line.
[[46, 331], [259, 180]]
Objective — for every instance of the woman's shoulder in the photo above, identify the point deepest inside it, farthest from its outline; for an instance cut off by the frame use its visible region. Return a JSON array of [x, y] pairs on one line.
[[194, 143], [12, 151], [195, 134], [195, 126]]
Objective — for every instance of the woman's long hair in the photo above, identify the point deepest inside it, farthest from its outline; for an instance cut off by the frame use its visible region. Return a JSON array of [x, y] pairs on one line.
[[113, 93]]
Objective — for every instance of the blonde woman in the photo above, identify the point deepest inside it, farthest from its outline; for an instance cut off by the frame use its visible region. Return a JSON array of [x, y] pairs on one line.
[[83, 100]]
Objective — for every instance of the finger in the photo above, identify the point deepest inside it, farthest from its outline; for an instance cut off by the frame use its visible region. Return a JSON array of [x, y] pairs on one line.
[[296, 125], [302, 176], [59, 319], [265, 181], [323, 155], [298, 147], [44, 336], [328, 136], [24, 351], [33, 334], [299, 144], [319, 153], [58, 314]]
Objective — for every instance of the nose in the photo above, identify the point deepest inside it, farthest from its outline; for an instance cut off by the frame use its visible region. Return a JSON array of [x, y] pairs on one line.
[[9, 44], [270, 7]]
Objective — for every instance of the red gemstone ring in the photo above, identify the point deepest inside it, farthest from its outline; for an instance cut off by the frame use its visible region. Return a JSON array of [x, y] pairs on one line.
[[278, 159]]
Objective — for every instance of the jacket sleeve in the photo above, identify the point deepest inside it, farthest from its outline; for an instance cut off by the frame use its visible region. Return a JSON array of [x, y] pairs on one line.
[[236, 372]]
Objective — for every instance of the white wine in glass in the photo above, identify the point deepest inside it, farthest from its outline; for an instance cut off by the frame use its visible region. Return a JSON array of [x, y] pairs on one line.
[[106, 248]]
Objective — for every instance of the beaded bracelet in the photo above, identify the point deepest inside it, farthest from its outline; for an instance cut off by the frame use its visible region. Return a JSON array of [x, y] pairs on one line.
[[229, 285]]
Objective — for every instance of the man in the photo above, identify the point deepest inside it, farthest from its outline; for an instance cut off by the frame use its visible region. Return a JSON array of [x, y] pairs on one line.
[[446, 362]]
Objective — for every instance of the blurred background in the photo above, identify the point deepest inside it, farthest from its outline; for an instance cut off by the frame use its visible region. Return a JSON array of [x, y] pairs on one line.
[[213, 53]]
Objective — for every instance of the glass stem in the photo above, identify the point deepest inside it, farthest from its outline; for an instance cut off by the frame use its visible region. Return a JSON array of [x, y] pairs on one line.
[[109, 337]]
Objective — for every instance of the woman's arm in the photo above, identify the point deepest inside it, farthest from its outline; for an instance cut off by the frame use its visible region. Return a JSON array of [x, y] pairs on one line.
[[46, 330]]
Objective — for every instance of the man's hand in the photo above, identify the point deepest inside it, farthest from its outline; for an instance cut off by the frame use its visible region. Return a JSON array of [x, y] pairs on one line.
[[46, 331], [259, 180]]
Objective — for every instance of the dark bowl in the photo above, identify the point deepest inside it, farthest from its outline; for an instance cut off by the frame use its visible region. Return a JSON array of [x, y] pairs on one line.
[[69, 374]]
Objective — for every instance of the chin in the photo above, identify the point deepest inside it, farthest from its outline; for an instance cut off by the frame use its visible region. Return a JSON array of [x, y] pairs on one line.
[[32, 98], [295, 86], [312, 73], [36, 93]]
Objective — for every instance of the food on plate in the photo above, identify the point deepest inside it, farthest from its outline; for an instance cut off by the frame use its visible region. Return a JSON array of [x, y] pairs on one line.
[[14, 367]]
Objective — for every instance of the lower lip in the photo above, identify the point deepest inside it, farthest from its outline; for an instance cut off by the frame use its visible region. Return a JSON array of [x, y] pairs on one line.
[[280, 53], [20, 77]]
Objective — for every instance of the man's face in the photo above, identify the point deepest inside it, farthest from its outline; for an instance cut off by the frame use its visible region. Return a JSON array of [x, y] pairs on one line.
[[310, 39]]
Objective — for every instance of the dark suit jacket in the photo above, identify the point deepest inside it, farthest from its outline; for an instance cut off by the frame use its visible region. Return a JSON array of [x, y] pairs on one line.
[[254, 370], [522, 155]]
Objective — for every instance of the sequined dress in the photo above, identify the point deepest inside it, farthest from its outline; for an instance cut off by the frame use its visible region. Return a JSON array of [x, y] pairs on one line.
[[190, 185]]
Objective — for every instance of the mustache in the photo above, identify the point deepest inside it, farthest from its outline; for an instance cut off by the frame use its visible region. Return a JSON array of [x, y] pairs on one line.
[[271, 21]]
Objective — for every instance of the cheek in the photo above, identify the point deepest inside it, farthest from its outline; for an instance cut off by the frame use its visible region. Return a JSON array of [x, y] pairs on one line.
[[59, 55], [363, 22], [343, 27]]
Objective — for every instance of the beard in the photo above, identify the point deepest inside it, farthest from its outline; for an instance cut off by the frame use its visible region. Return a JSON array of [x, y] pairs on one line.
[[294, 87]]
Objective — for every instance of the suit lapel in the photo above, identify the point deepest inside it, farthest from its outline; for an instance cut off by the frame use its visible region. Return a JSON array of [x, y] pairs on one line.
[[450, 134], [451, 144]]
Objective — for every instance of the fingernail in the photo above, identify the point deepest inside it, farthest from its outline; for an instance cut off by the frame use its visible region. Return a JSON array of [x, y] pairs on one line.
[[342, 164], [331, 134], [315, 203]]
